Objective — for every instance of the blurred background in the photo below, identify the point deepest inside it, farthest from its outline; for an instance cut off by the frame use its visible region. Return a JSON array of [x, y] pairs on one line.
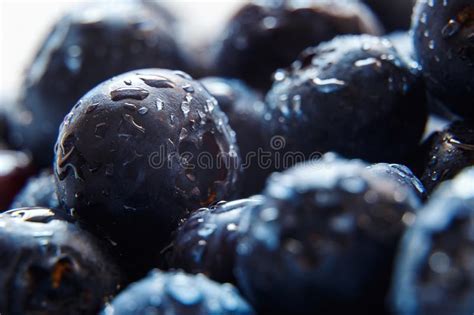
[[25, 23]]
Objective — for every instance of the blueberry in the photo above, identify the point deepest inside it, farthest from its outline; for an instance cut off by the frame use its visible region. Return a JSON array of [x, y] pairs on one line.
[[39, 191], [395, 15], [50, 266], [402, 175], [88, 45], [15, 169], [139, 152], [444, 45], [163, 293], [352, 95], [447, 153], [266, 35], [323, 240], [434, 271], [206, 242], [245, 110]]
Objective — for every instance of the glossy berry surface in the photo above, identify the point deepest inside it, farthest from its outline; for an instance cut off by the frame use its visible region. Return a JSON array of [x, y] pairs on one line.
[[352, 95], [434, 273], [15, 168], [266, 35], [140, 152], [53, 267], [39, 191], [402, 175], [245, 111], [206, 243], [88, 45], [444, 44], [395, 15], [323, 240], [447, 153], [163, 293]]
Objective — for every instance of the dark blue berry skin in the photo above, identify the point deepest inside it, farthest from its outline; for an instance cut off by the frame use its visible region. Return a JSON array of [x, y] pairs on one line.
[[206, 243], [39, 191], [402, 175], [324, 239], [88, 45], [446, 153], [444, 45], [266, 35], [129, 159], [434, 272], [52, 267], [354, 96], [163, 293], [394, 15], [245, 110]]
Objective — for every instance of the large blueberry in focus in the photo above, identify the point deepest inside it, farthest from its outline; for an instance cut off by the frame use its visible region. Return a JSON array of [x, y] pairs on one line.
[[51, 267], [141, 151], [88, 45], [444, 45], [434, 273], [324, 239], [163, 293], [353, 95], [266, 35]]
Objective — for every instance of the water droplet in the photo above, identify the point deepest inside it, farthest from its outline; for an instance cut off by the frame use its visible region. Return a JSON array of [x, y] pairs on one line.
[[269, 22], [129, 93], [159, 104], [185, 108], [269, 214], [431, 44], [129, 118], [109, 169], [182, 74], [183, 134], [188, 88], [130, 106], [231, 227], [368, 62], [329, 85], [440, 262], [210, 104], [100, 130], [157, 81], [423, 18], [434, 176], [143, 110], [92, 108], [451, 29], [207, 230], [128, 208], [280, 75]]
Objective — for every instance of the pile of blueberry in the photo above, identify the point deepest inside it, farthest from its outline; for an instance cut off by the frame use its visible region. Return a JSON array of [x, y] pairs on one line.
[[319, 164]]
